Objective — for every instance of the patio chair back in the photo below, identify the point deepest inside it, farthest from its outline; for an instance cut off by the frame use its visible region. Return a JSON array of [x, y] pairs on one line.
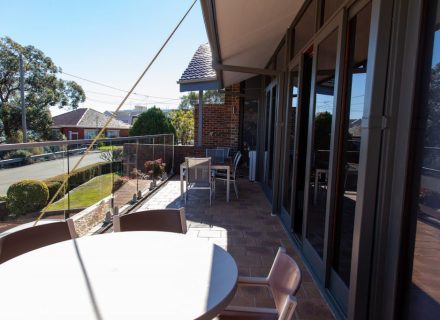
[[168, 220], [26, 238], [225, 151], [235, 163], [284, 280], [217, 155], [198, 172]]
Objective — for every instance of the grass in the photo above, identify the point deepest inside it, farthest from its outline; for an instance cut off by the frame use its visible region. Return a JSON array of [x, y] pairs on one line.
[[108, 148], [87, 194]]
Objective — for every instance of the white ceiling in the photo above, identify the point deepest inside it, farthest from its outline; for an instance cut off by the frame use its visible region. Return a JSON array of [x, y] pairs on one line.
[[250, 30]]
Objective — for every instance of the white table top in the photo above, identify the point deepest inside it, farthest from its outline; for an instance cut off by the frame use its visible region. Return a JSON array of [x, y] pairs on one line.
[[126, 275]]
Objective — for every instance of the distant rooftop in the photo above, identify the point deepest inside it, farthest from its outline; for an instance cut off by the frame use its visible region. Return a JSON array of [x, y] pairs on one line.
[[86, 118], [199, 75]]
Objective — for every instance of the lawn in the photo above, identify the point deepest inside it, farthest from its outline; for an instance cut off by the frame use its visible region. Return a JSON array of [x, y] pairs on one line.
[[87, 194]]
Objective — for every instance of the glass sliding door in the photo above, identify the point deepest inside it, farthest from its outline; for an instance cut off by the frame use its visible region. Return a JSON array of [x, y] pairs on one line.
[[271, 101], [349, 142], [301, 144], [289, 145], [424, 286], [321, 136]]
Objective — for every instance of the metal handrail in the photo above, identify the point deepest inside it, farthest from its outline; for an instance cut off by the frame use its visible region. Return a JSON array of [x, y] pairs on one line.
[[15, 146]]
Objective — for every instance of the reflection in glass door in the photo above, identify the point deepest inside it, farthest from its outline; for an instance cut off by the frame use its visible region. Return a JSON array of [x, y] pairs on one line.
[[271, 99], [424, 288], [290, 146], [301, 151], [319, 149], [352, 110]]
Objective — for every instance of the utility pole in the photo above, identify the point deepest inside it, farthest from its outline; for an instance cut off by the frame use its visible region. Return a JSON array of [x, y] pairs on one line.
[[23, 107]]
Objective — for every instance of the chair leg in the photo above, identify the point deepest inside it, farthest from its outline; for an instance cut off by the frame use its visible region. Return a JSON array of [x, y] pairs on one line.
[[236, 189]]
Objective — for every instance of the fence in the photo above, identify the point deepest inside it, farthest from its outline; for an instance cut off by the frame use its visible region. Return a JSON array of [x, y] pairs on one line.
[[117, 170]]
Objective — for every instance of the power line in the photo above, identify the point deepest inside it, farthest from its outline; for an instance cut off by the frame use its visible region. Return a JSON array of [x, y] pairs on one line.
[[110, 118], [114, 88]]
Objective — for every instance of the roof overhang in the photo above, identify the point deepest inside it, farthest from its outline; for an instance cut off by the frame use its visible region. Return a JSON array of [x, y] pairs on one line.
[[245, 33]]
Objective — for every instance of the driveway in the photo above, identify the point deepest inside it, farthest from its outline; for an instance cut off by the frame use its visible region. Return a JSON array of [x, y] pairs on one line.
[[42, 170]]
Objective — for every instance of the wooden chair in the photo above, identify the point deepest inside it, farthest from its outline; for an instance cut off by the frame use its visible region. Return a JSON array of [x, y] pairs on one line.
[[168, 220], [25, 238], [284, 280]]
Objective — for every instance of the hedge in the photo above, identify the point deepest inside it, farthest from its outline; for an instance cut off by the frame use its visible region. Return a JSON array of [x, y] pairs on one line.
[[84, 174], [27, 196], [53, 187]]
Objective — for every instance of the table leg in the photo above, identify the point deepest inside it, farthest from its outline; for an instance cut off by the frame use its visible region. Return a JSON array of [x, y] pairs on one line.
[[228, 171]]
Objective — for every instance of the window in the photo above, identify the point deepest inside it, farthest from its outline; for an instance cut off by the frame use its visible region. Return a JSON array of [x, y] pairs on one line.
[[328, 8], [304, 29], [424, 293], [352, 112], [322, 135], [90, 133], [112, 133]]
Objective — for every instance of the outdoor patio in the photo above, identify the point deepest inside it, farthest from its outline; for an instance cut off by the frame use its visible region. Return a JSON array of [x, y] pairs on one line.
[[245, 228]]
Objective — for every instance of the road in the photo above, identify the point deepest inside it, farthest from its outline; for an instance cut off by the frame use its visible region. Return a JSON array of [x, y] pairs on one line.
[[42, 170]]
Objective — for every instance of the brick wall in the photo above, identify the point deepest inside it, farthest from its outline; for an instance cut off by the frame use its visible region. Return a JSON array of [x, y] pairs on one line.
[[221, 122]]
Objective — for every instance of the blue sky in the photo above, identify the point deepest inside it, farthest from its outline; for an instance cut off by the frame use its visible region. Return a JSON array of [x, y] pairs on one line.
[[110, 41]]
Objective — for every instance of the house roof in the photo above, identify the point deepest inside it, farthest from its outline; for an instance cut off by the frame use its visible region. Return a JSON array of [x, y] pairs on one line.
[[245, 33], [86, 118], [199, 75]]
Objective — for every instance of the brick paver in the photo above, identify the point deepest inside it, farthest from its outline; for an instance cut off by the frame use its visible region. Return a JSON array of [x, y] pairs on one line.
[[249, 233]]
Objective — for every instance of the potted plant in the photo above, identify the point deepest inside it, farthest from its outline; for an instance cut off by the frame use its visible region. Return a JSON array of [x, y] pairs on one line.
[[155, 169]]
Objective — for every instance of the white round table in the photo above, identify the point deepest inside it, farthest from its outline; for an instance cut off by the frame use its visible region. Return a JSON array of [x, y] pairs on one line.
[[126, 275]]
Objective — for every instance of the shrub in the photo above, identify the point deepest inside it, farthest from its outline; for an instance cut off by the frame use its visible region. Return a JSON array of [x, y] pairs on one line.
[[18, 154], [119, 182], [85, 174], [27, 196], [155, 168], [53, 187]]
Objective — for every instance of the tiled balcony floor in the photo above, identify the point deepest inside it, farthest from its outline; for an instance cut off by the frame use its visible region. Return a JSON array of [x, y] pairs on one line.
[[248, 232]]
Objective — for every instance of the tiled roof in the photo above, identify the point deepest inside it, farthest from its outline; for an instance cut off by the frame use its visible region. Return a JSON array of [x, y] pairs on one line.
[[86, 117], [200, 66]]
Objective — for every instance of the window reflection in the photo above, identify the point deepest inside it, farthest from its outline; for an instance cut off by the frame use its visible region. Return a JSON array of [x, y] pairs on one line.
[[290, 139], [425, 286], [319, 162], [355, 77]]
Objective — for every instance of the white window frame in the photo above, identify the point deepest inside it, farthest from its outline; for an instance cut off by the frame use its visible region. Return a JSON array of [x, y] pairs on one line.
[[93, 132], [114, 133]]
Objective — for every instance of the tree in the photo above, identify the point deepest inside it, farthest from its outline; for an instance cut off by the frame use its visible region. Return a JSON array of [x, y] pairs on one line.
[[209, 96], [42, 89], [183, 122], [152, 121]]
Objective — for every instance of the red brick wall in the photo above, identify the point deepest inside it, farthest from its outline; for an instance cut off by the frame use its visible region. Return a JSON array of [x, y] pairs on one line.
[[221, 122]]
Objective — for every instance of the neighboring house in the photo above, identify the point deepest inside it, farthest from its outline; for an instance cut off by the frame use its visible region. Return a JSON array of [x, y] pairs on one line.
[[85, 123], [128, 116]]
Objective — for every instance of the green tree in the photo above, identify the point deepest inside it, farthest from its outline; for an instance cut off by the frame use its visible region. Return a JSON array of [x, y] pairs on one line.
[[209, 96], [183, 122], [42, 89], [152, 121]]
